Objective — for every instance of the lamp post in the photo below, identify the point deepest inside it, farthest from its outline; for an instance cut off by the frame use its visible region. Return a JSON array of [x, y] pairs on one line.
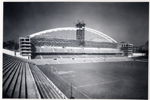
[[71, 93]]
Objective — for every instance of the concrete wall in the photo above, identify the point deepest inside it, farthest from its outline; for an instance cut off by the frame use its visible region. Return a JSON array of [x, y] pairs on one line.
[[12, 53]]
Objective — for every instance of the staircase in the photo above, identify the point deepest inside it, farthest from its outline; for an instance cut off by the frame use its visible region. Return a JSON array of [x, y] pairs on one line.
[[22, 79], [18, 81]]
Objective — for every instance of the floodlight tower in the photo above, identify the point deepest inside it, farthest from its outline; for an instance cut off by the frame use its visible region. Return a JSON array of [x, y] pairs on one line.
[[80, 32]]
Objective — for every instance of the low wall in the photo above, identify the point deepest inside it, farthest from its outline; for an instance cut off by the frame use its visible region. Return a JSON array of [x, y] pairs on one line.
[[70, 53], [12, 53], [138, 54]]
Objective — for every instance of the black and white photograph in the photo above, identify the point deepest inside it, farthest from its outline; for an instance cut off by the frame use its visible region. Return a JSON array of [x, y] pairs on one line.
[[75, 50]]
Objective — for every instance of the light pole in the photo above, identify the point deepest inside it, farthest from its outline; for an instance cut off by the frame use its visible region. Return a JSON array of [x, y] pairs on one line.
[[71, 93]]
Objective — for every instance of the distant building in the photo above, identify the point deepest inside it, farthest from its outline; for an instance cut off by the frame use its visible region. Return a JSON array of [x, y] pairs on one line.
[[144, 47], [25, 46], [127, 48], [136, 49]]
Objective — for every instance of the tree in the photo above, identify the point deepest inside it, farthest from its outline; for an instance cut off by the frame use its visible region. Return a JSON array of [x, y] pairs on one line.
[[33, 48], [5, 45], [16, 47], [146, 48], [11, 45]]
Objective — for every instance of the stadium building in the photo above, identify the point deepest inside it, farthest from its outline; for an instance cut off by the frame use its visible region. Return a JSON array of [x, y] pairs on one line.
[[78, 40]]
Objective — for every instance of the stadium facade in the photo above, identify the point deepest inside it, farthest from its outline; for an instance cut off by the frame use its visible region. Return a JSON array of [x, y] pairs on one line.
[[68, 38]]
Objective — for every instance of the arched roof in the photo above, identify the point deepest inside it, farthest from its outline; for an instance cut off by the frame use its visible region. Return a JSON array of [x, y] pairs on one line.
[[72, 28]]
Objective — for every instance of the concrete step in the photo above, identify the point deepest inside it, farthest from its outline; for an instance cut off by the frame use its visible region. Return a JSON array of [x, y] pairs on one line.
[[39, 83], [12, 84], [53, 92], [8, 80], [6, 68], [40, 87], [16, 91], [8, 73], [51, 89], [23, 83], [5, 63], [45, 83], [32, 91], [9, 67], [42, 82], [18, 81], [56, 91], [48, 86]]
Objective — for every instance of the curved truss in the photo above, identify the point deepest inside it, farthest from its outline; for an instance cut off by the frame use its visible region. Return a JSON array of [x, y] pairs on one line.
[[101, 34], [72, 28]]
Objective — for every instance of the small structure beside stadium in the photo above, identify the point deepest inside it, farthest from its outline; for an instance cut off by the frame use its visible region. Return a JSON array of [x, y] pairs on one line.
[[127, 48], [25, 46]]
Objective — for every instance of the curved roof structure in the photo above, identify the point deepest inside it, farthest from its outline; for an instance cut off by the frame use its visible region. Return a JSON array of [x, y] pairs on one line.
[[72, 28]]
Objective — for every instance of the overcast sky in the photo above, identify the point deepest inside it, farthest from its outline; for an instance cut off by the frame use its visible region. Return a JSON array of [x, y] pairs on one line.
[[127, 22]]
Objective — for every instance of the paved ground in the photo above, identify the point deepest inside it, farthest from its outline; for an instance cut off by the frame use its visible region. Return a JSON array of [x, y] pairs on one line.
[[111, 80]]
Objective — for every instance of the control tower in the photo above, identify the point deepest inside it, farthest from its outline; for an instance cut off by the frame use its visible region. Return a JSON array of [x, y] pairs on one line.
[[80, 32]]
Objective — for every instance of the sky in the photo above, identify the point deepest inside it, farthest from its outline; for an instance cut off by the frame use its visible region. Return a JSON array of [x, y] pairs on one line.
[[124, 21]]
